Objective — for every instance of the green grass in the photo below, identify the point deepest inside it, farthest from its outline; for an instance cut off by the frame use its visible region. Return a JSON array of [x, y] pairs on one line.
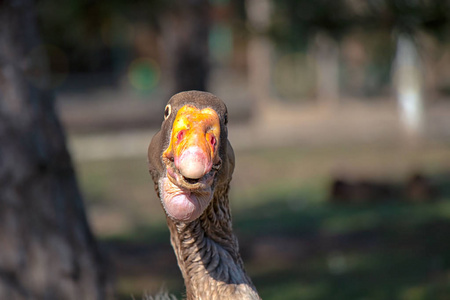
[[400, 251], [391, 250]]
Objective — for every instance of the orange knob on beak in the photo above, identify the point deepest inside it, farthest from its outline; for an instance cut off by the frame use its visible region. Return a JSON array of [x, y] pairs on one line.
[[194, 141]]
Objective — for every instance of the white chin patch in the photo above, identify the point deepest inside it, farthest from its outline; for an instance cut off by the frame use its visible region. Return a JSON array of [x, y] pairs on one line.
[[182, 205]]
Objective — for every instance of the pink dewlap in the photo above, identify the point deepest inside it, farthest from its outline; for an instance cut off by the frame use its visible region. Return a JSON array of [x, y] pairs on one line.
[[183, 207]]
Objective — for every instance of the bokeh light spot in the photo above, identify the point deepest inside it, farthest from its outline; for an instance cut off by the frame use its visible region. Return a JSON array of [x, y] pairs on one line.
[[143, 74], [221, 42]]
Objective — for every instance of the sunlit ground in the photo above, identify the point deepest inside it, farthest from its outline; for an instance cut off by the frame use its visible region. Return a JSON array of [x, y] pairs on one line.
[[295, 243]]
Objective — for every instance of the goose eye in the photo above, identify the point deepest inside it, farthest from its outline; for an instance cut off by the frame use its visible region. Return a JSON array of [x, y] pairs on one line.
[[167, 111]]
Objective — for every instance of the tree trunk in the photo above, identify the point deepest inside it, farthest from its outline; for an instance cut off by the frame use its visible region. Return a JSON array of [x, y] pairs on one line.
[[47, 250], [185, 31], [327, 70], [409, 84], [259, 57]]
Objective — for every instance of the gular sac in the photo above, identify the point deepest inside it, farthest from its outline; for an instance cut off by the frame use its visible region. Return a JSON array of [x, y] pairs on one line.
[[182, 204]]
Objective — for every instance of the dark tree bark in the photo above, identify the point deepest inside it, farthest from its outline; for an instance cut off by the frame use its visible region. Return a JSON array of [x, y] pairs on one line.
[[185, 29], [47, 250]]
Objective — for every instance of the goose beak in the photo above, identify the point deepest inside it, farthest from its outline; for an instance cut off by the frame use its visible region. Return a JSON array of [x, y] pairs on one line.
[[194, 142]]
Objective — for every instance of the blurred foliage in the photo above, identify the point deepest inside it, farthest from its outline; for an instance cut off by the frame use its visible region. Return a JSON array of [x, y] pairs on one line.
[[87, 30], [296, 21], [93, 34], [409, 16], [97, 36]]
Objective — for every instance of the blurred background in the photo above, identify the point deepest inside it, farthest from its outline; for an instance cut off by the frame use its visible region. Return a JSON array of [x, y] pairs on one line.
[[339, 117]]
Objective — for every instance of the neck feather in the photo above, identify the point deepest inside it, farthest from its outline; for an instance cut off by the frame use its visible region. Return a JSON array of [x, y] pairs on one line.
[[208, 254]]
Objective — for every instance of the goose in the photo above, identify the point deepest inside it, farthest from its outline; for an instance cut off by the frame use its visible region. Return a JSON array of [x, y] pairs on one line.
[[191, 163]]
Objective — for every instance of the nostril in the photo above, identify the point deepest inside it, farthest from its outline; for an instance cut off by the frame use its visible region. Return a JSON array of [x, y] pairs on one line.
[[180, 135], [213, 140]]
